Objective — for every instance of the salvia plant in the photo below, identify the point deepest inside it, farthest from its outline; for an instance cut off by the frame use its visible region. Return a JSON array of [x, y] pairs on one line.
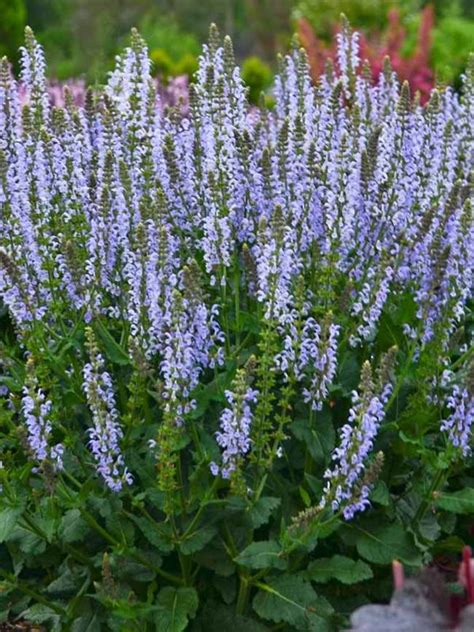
[[236, 361]]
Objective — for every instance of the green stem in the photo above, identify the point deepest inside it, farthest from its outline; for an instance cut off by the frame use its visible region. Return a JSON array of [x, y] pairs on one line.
[[15, 583], [401, 378], [242, 597], [237, 302], [437, 482], [202, 506], [92, 522]]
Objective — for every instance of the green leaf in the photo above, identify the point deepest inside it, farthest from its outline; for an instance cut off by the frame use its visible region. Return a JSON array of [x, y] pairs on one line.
[[318, 437], [216, 558], [175, 607], [267, 554], [214, 391], [155, 535], [261, 511], [380, 494], [66, 582], [342, 568], [349, 372], [304, 496], [113, 350], [461, 502], [28, 542], [381, 544], [73, 527], [8, 519], [197, 540], [290, 599], [217, 617], [38, 613], [87, 623]]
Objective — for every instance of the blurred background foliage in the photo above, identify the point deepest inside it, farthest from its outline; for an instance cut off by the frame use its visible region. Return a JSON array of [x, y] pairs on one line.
[[81, 37]]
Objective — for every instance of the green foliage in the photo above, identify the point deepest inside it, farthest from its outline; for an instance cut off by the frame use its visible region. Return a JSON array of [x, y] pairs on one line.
[[175, 607], [380, 542], [291, 599], [339, 568], [453, 39], [367, 15], [461, 502], [203, 554], [257, 75], [12, 23], [172, 50], [262, 555]]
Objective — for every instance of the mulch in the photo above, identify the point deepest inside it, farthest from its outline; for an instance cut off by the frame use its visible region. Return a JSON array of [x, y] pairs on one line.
[[20, 626]]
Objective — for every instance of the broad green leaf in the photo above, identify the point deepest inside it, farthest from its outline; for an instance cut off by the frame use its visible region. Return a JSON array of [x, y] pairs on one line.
[[219, 618], [113, 350], [38, 613], [319, 437], [175, 607], [261, 511], [461, 502], [155, 535], [8, 519], [204, 394], [349, 372], [28, 542], [267, 554], [216, 558], [49, 518], [73, 527], [87, 623], [122, 528], [342, 568], [66, 582], [197, 540], [382, 544], [380, 494], [291, 599], [134, 571]]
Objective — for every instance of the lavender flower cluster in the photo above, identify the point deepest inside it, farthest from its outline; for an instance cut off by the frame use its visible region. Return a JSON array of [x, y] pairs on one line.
[[172, 94], [344, 198]]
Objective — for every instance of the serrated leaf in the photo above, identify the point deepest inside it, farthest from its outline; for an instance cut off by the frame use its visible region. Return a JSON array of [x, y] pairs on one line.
[[217, 617], [290, 599], [382, 544], [38, 613], [28, 542], [216, 558], [341, 568], [8, 519], [267, 554], [88, 623], [73, 527], [197, 540], [65, 583], [154, 534], [175, 607], [461, 502], [261, 511]]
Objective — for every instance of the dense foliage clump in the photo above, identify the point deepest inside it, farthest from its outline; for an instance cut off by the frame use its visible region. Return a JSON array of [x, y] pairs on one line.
[[235, 344]]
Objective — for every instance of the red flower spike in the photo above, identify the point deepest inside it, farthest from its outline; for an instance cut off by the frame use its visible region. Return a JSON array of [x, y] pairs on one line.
[[466, 573], [398, 575]]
